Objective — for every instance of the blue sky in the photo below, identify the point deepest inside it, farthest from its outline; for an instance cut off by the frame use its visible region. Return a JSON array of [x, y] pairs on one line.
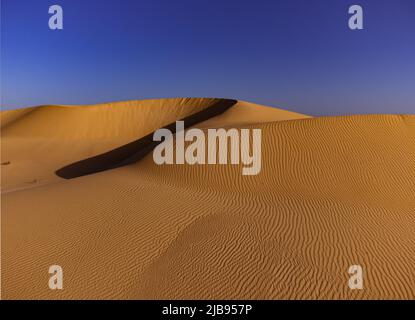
[[293, 54]]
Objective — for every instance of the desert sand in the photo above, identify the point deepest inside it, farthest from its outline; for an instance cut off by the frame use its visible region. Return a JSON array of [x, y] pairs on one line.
[[332, 192]]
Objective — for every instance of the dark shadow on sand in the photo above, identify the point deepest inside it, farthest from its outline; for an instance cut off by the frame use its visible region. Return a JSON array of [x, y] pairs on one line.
[[138, 149]]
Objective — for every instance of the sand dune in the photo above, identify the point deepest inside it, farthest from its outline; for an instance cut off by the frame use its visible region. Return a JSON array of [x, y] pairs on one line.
[[333, 192], [38, 141]]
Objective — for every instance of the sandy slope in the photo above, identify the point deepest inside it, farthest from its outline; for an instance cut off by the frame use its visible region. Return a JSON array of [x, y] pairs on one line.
[[37, 141], [245, 113], [333, 191]]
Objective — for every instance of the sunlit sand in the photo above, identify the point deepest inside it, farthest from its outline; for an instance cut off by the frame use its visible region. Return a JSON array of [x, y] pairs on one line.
[[332, 192]]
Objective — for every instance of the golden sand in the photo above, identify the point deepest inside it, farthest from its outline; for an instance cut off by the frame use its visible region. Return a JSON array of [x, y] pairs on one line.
[[332, 192]]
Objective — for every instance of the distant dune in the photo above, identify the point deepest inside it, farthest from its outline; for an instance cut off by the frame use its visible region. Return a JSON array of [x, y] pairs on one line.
[[332, 192]]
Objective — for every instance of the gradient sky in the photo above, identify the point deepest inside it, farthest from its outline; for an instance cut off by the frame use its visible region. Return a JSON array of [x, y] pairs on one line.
[[293, 54]]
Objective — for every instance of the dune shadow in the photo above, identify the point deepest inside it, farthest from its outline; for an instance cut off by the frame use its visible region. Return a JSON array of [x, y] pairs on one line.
[[138, 149]]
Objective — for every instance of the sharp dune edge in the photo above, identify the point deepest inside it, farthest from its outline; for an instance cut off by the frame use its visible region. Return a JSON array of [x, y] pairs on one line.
[[332, 192]]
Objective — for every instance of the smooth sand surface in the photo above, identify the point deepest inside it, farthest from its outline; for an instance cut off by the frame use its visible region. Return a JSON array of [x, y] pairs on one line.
[[38, 141], [245, 113], [332, 192]]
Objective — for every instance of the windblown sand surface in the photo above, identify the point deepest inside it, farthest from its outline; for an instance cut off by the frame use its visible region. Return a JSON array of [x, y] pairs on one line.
[[332, 192]]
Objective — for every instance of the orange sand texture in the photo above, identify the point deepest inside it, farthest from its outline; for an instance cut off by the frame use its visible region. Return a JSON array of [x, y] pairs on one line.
[[332, 192]]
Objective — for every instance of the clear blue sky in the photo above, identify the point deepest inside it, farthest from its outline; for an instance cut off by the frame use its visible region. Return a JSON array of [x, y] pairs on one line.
[[294, 54]]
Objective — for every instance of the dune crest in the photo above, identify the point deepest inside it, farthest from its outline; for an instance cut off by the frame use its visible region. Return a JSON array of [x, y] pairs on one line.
[[246, 113]]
